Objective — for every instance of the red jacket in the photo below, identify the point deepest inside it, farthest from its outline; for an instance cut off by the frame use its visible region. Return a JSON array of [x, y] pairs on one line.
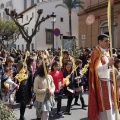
[[57, 76]]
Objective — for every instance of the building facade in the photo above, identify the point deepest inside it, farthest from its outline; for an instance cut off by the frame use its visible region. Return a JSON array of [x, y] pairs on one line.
[[18, 5], [43, 38], [98, 10], [5, 4]]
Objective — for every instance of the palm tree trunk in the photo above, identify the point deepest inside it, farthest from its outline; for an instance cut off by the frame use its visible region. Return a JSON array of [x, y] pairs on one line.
[[70, 23]]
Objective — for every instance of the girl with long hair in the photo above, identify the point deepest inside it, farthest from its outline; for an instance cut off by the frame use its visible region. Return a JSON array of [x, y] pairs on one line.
[[23, 94], [43, 93], [69, 90], [58, 81]]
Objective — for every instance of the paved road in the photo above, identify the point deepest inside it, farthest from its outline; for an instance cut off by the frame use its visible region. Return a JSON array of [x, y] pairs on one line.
[[77, 112]]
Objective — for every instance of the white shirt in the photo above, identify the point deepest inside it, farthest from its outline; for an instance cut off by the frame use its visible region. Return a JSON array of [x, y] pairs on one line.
[[103, 70]]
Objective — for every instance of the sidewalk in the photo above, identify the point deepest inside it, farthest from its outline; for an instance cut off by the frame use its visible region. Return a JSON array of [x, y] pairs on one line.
[[77, 112]]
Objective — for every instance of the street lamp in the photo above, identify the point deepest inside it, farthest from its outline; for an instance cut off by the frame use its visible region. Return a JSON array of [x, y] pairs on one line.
[[53, 20]]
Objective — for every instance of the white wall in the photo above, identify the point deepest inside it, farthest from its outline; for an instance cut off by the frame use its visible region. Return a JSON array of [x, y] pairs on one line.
[[18, 5], [48, 8]]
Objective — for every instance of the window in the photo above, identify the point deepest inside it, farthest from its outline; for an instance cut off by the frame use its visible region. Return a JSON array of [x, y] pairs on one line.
[[14, 46], [4, 15], [26, 46], [22, 20], [27, 17], [18, 47], [25, 4], [2, 5], [22, 47], [104, 27], [9, 3], [32, 2], [49, 36], [7, 17], [61, 19], [32, 14], [37, 0], [32, 46]]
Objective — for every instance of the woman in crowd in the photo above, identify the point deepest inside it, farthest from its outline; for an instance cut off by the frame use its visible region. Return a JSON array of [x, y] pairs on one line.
[[58, 81], [69, 90], [23, 94], [43, 93]]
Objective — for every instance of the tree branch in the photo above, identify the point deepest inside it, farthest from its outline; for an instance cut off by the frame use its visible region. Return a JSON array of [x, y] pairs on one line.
[[38, 24], [28, 22]]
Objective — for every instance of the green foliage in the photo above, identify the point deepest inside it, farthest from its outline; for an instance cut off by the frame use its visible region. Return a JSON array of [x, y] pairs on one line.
[[6, 113], [75, 52], [71, 4], [7, 29]]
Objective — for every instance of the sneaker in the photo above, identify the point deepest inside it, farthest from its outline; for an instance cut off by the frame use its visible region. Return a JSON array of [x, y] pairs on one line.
[[69, 113], [60, 114]]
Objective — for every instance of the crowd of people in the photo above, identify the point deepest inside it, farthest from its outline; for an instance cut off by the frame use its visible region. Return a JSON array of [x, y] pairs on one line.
[[38, 88], [42, 78]]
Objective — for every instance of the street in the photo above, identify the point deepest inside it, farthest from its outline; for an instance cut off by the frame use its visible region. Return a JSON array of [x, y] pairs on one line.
[[77, 112]]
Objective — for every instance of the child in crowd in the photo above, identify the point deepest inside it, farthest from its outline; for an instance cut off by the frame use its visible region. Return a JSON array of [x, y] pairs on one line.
[[7, 86], [78, 83], [44, 94], [38, 64], [58, 81], [10, 63], [69, 90]]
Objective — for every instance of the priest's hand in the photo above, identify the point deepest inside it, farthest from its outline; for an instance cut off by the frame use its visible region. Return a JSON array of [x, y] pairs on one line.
[[111, 61]]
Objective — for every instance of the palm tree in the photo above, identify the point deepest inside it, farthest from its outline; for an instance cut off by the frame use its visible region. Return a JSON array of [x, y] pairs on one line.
[[70, 5]]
